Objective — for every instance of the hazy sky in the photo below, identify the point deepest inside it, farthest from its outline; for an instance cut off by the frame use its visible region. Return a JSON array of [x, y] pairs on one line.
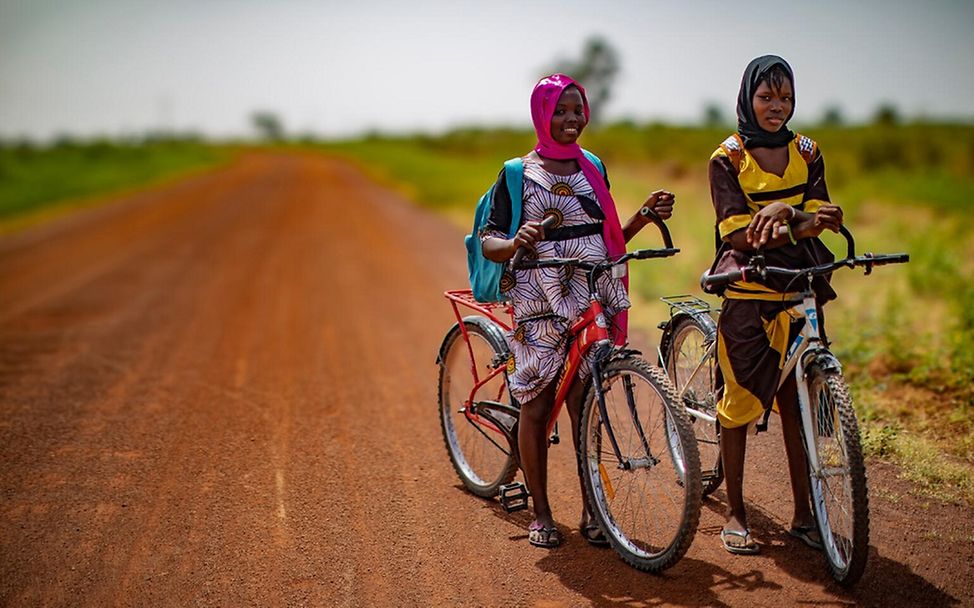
[[336, 68]]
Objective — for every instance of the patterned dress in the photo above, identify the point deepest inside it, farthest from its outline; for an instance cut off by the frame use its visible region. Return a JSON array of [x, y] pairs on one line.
[[547, 300]]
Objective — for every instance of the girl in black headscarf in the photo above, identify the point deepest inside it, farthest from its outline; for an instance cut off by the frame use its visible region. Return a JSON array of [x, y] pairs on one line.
[[768, 189]]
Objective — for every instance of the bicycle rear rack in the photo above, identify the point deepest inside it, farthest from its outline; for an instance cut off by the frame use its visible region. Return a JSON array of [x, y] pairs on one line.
[[688, 304]]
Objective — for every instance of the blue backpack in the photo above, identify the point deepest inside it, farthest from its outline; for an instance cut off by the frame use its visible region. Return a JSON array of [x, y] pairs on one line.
[[485, 275]]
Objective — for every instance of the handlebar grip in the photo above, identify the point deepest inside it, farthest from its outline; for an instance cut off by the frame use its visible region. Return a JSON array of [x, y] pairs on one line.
[[850, 241], [712, 281], [546, 223], [660, 224], [884, 258], [642, 254]]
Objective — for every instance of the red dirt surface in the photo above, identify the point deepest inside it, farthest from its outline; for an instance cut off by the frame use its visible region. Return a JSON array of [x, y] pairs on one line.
[[222, 393]]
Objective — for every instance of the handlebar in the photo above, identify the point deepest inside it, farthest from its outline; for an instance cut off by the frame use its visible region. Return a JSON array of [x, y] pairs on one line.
[[639, 254], [646, 212], [758, 269], [652, 216]]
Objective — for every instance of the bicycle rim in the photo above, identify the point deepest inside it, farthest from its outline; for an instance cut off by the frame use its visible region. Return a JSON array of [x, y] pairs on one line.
[[480, 455], [838, 486], [647, 507], [693, 372]]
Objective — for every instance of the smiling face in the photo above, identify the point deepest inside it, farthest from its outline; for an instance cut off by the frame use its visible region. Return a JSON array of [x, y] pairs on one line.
[[569, 118], [773, 104]]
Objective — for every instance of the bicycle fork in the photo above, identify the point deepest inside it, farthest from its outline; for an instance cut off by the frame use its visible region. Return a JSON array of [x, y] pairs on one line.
[[626, 464]]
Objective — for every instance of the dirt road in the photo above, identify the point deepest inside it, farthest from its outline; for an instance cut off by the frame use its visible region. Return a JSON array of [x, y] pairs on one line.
[[222, 393]]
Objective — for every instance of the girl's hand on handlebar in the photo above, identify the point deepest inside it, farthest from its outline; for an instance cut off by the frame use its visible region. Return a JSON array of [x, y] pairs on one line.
[[828, 217], [661, 202], [765, 223], [527, 236]]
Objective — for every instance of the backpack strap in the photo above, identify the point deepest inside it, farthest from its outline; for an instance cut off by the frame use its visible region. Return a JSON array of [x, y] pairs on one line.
[[806, 147], [595, 160], [514, 177], [733, 149]]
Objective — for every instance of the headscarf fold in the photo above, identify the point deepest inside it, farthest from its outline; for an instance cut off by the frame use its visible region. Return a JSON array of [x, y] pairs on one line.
[[544, 100], [747, 123]]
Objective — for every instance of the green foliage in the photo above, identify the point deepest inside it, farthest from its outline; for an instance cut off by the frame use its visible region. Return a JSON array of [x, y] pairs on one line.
[[35, 177], [879, 439]]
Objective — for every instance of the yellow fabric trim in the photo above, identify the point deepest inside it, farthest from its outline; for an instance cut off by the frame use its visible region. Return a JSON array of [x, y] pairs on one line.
[[758, 291], [777, 330], [732, 224], [813, 205], [754, 179], [718, 152], [737, 406]]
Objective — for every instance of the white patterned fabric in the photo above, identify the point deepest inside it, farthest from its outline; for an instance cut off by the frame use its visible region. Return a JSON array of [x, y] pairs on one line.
[[547, 300]]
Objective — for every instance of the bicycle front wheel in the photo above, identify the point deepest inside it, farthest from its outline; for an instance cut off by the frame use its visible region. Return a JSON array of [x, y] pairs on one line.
[[479, 452], [838, 482], [648, 508], [692, 366]]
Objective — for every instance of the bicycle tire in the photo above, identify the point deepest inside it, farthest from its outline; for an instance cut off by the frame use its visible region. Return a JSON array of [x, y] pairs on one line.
[[840, 496], [687, 346], [648, 511], [480, 455]]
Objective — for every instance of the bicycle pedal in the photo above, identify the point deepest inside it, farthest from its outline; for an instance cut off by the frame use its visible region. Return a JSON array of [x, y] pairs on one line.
[[513, 497]]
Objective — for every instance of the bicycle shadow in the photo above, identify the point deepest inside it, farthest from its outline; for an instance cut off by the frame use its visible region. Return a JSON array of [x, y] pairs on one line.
[[600, 575], [885, 582]]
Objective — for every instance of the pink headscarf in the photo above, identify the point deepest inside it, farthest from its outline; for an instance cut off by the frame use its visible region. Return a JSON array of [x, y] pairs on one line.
[[544, 99]]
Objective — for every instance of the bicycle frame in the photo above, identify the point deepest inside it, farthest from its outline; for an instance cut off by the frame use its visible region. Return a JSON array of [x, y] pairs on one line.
[[588, 330]]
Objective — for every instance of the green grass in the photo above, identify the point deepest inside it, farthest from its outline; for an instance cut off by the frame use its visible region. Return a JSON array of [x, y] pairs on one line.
[[35, 179], [903, 329]]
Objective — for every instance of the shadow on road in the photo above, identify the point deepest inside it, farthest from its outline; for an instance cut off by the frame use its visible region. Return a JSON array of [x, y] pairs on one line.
[[599, 575], [885, 583]]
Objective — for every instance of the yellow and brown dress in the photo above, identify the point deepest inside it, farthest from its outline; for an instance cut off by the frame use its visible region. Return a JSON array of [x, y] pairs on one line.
[[754, 327]]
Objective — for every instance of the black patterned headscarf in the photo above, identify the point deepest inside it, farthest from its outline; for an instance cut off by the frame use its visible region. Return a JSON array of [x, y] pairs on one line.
[[747, 124]]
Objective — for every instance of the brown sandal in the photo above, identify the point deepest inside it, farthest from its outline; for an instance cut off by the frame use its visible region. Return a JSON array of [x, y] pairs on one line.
[[593, 534], [746, 547]]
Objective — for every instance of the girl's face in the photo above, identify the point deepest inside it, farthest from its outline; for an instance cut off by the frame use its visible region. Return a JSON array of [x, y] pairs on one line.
[[772, 106], [569, 118]]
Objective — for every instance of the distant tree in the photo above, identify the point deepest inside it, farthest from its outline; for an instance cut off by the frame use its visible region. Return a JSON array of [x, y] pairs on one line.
[[268, 125], [886, 115], [713, 115], [833, 117], [596, 71], [64, 141]]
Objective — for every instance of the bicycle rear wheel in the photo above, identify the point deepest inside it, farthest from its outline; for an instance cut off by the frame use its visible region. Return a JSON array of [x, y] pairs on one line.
[[480, 454], [693, 370], [647, 507], [838, 485]]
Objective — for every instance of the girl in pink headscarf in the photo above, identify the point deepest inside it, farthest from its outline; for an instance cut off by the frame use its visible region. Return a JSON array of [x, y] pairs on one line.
[[560, 182]]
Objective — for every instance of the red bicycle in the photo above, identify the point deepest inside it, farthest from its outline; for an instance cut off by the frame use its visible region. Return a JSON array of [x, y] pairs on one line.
[[637, 454]]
